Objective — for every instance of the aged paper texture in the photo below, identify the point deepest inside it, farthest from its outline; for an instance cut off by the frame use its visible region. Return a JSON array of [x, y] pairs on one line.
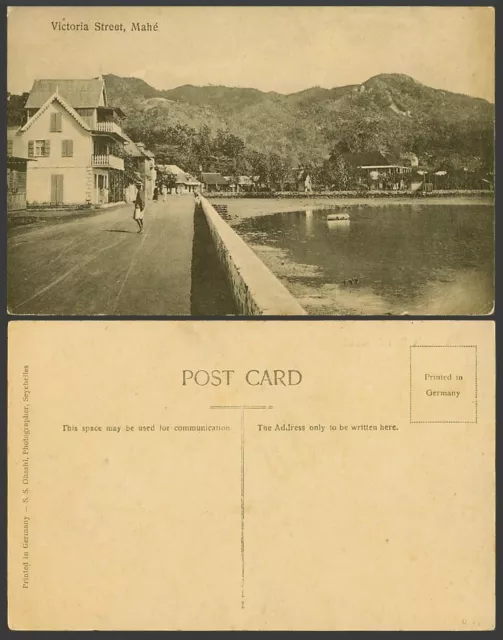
[[252, 475], [250, 161]]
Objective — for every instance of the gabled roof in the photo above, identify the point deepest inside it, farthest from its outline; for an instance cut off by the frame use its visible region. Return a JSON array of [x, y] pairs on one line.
[[213, 178], [186, 178], [136, 149], [146, 151], [78, 93], [131, 149], [181, 176], [366, 159], [172, 168], [64, 104]]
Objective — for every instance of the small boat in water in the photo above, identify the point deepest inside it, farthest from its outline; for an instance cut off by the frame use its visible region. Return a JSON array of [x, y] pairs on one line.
[[338, 217]]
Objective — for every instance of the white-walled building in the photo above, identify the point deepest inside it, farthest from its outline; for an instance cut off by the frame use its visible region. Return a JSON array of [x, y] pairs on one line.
[[77, 140], [183, 182], [144, 163]]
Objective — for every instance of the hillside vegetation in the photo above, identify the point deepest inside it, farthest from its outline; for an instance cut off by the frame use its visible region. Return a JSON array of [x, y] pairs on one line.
[[391, 113], [234, 130]]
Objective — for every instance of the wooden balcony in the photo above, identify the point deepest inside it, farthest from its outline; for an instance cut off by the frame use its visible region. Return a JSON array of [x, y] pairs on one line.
[[110, 127], [107, 161]]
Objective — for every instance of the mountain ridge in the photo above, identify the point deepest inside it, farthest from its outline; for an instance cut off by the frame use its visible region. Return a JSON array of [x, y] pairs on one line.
[[112, 77], [390, 113]]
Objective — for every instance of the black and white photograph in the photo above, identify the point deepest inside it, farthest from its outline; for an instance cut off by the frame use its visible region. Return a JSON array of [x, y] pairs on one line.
[[250, 161]]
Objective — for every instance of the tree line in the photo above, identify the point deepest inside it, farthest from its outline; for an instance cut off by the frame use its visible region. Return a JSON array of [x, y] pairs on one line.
[[460, 146]]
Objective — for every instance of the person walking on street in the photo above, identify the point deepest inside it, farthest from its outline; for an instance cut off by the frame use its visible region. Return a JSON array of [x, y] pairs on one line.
[[139, 207], [156, 194], [164, 192]]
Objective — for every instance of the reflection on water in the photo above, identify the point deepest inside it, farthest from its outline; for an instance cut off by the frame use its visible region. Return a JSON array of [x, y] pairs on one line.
[[416, 259], [340, 227], [309, 217]]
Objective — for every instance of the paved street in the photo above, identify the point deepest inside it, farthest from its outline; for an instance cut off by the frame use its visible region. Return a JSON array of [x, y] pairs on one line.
[[101, 265]]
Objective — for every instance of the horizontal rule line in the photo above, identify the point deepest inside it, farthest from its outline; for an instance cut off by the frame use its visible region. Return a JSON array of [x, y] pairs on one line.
[[232, 406], [443, 346]]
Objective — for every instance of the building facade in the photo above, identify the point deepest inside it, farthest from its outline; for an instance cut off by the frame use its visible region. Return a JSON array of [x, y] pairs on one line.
[[144, 165], [17, 169], [213, 182], [77, 141], [376, 172]]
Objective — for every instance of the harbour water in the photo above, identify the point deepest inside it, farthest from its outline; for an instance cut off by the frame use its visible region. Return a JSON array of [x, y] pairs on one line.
[[396, 259]]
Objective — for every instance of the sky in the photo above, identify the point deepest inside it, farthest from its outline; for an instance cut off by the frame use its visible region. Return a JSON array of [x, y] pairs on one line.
[[284, 49]]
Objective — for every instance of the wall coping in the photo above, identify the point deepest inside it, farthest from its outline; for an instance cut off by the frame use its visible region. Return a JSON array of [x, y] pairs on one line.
[[267, 293]]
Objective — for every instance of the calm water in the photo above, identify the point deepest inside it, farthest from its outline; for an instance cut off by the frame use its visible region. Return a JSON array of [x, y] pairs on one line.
[[415, 259]]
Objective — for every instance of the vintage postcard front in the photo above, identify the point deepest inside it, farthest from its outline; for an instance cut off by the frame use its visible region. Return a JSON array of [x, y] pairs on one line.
[[250, 160], [251, 475]]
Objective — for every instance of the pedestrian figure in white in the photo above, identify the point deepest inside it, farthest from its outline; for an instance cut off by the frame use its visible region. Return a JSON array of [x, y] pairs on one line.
[[139, 207]]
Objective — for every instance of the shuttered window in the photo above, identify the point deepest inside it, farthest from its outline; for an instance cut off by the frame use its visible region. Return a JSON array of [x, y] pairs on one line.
[[55, 121], [39, 148], [67, 148], [10, 144]]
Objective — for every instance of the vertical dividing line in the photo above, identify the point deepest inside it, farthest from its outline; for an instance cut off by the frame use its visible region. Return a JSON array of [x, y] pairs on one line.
[[476, 386], [242, 509], [410, 383]]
